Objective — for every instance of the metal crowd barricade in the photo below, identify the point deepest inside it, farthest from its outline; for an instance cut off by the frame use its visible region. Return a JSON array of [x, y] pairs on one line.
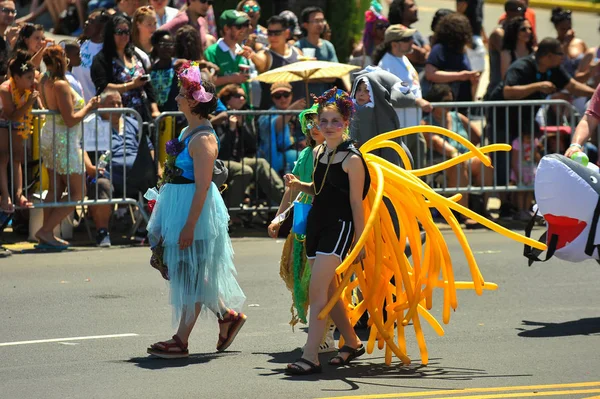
[[41, 177], [503, 122], [167, 129], [499, 122]]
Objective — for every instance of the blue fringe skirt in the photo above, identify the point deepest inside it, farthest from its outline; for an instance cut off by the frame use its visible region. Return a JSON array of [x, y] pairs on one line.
[[204, 272]]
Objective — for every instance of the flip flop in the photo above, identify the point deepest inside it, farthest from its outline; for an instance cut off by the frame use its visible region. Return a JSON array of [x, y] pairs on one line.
[[353, 354], [49, 247], [296, 369]]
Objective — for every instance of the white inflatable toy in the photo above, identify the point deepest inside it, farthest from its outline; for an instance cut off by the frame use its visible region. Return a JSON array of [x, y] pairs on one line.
[[568, 198]]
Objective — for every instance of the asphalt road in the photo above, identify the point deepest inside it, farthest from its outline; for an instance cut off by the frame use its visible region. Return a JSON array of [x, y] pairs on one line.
[[539, 332]]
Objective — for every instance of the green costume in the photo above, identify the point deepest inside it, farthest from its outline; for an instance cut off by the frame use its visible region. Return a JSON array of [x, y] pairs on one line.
[[294, 269]]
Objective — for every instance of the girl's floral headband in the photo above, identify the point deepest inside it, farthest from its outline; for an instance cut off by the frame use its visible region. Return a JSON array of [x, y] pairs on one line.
[[191, 80], [340, 99]]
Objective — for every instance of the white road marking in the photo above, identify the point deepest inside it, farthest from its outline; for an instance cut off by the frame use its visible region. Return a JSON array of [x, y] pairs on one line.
[[43, 341]]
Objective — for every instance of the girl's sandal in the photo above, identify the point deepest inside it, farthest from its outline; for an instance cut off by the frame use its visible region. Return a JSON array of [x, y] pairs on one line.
[[237, 321], [170, 350], [296, 368], [353, 353]]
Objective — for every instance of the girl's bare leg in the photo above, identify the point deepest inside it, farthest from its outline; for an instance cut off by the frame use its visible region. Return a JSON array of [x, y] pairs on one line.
[[323, 271], [17, 170], [342, 321], [6, 205]]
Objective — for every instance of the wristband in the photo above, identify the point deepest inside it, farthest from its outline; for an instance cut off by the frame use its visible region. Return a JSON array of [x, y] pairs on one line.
[[576, 145]]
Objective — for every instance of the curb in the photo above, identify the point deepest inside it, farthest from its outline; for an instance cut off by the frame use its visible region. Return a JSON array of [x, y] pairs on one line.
[[583, 6]]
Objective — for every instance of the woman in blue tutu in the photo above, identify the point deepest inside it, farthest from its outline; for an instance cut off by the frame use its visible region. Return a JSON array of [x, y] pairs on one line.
[[188, 229]]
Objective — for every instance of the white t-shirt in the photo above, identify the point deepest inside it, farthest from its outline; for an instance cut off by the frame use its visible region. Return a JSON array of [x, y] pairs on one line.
[[88, 51], [170, 13], [403, 69]]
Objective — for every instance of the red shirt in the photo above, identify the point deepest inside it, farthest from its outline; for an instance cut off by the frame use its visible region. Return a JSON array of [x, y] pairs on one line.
[[183, 19], [593, 109], [529, 15]]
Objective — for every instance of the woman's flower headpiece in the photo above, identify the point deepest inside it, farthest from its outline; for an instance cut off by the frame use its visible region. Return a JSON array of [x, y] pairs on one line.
[[24, 67], [191, 80], [340, 99]]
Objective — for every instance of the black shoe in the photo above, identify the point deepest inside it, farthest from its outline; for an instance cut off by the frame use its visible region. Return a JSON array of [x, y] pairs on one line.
[[103, 238]]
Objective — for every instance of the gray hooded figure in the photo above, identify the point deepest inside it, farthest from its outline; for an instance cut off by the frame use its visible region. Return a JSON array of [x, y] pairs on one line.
[[387, 93]]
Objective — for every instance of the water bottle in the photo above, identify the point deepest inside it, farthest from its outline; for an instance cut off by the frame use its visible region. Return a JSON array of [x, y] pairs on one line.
[[104, 160]]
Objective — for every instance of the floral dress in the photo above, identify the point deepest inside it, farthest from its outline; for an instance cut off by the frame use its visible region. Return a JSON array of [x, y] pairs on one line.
[[134, 98]]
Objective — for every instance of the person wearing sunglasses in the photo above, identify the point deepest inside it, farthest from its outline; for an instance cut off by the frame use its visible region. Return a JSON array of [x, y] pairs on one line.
[[406, 12], [258, 34], [232, 58], [238, 151], [392, 56], [195, 15], [119, 67], [278, 54], [8, 13], [277, 142], [517, 42], [375, 26], [528, 78]]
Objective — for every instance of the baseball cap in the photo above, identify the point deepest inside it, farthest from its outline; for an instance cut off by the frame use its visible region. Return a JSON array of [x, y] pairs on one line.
[[514, 6], [233, 17], [280, 86], [314, 110], [397, 32]]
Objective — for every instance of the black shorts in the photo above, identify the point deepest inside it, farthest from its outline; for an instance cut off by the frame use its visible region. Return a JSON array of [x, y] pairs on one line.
[[329, 238]]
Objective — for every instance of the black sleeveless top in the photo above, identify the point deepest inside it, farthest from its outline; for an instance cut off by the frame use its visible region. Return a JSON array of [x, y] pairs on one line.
[[333, 201], [278, 60]]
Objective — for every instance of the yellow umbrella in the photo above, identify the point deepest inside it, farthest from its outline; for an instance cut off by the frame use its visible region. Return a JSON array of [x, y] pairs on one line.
[[306, 71]]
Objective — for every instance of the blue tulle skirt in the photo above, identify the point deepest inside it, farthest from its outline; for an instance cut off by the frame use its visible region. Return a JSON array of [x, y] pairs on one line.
[[204, 272]]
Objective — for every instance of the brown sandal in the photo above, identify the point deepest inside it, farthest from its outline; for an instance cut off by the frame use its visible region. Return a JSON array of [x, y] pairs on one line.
[[170, 350], [237, 321]]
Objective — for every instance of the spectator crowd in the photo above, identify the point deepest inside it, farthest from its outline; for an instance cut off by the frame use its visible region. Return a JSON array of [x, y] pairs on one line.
[[124, 53]]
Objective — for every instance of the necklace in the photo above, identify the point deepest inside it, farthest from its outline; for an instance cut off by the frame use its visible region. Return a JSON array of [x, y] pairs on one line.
[[317, 192]]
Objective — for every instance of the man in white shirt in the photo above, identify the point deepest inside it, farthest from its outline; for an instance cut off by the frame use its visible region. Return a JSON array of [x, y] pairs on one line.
[[94, 29], [398, 42]]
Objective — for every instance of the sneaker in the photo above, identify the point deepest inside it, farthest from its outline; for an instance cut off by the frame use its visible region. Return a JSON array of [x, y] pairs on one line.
[[103, 238], [328, 343]]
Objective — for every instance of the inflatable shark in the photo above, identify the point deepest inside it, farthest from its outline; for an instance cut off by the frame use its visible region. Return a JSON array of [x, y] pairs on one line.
[[568, 198]]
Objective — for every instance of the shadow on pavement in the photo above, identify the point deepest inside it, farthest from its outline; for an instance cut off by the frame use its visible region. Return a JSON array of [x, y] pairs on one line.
[[369, 369], [586, 326], [155, 363]]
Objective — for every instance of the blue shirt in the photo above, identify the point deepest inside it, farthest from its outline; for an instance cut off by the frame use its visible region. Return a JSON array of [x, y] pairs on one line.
[[445, 59], [124, 149]]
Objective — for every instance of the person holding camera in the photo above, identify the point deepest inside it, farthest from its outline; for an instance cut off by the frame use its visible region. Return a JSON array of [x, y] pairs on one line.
[[117, 67]]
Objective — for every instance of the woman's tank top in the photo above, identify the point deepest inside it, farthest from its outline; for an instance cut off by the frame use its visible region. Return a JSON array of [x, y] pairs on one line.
[[278, 60]]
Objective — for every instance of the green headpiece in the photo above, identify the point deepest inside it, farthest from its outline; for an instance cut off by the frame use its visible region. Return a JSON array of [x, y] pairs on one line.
[[312, 110]]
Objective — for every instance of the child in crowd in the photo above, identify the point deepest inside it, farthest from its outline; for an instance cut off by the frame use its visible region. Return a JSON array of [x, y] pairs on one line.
[[72, 48], [525, 156], [17, 96]]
